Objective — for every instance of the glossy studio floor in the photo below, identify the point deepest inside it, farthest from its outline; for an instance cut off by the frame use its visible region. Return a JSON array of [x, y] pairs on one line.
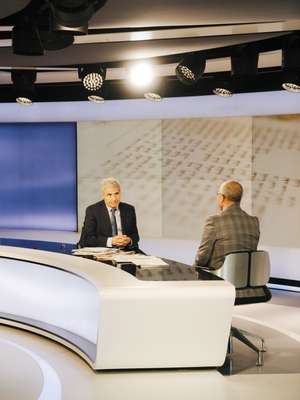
[[33, 367]]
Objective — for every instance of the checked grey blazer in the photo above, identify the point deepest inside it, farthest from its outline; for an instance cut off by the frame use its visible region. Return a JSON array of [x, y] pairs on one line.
[[230, 231]]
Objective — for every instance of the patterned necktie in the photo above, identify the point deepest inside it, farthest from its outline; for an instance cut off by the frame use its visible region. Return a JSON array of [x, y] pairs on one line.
[[114, 227]]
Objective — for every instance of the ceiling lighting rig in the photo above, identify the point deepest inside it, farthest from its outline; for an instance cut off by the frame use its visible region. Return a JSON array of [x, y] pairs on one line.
[[53, 24], [244, 75]]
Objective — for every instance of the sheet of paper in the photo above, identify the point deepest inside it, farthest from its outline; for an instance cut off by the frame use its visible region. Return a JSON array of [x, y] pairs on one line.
[[93, 249], [141, 260]]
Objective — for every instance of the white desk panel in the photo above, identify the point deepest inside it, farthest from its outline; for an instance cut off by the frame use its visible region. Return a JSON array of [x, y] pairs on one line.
[[112, 319]]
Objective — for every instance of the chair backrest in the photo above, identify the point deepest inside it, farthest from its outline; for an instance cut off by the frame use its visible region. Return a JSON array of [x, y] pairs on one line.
[[246, 269], [260, 268]]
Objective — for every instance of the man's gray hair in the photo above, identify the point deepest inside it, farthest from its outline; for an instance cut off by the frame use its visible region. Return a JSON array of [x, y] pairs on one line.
[[109, 181], [232, 190]]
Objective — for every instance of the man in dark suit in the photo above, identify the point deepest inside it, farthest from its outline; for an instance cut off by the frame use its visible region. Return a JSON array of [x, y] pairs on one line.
[[110, 223], [230, 231]]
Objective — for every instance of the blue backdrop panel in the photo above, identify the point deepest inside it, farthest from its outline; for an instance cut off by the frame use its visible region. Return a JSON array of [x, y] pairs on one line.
[[38, 176]]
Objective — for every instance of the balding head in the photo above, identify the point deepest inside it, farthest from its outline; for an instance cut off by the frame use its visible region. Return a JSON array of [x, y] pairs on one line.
[[232, 191]]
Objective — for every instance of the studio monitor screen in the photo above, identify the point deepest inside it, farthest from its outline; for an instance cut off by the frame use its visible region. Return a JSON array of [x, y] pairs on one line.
[[38, 176]]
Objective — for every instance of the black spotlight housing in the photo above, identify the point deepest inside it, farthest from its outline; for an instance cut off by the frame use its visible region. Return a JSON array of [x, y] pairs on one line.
[[73, 15], [26, 40], [190, 69], [23, 81], [92, 76], [291, 53], [244, 68], [291, 64], [55, 40]]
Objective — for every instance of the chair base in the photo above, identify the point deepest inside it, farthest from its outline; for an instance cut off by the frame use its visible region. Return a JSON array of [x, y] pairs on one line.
[[241, 334]]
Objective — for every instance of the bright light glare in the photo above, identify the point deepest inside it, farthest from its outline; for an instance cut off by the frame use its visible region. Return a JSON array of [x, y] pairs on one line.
[[141, 75]]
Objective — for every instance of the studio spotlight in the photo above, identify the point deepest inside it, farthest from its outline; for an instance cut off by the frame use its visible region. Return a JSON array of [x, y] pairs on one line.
[[291, 64], [222, 92], [92, 76], [141, 74], [73, 15], [152, 96], [26, 40], [23, 81], [292, 84], [190, 69], [96, 99], [223, 87]]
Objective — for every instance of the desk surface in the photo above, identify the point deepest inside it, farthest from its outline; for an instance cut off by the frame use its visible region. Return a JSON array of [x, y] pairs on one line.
[[175, 271]]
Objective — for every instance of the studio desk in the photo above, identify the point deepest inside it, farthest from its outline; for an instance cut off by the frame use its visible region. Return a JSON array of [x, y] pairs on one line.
[[113, 319]]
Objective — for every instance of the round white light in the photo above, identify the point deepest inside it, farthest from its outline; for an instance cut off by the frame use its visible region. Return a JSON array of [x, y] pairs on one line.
[[291, 87], [96, 99], [222, 92], [152, 96], [92, 81], [25, 101], [141, 75], [186, 72]]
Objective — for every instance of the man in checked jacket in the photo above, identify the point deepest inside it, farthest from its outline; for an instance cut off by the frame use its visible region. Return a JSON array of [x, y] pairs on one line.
[[229, 231]]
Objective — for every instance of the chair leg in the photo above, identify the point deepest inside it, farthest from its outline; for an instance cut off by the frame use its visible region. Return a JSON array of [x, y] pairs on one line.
[[240, 335], [230, 346], [261, 339]]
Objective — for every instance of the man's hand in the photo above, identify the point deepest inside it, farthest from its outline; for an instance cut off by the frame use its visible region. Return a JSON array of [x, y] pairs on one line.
[[121, 240]]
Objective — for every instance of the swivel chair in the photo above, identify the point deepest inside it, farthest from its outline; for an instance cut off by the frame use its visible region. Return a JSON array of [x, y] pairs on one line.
[[249, 272]]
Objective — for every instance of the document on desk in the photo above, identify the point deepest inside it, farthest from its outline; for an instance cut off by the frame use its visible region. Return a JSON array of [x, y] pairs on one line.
[[140, 260], [90, 251]]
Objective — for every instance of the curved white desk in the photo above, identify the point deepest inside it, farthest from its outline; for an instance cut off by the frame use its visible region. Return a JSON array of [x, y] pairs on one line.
[[109, 317]]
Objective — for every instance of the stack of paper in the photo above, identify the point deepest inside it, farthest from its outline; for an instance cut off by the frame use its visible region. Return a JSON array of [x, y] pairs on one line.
[[94, 251]]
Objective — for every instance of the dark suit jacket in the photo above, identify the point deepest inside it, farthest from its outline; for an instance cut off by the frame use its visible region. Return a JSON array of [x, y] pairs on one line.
[[230, 231], [97, 225]]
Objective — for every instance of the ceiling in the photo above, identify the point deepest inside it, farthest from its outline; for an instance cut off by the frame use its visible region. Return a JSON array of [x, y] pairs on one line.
[[120, 33]]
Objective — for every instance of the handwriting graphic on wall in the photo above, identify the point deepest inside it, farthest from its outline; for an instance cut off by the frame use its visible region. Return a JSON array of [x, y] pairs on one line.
[[198, 155], [276, 178], [170, 170]]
